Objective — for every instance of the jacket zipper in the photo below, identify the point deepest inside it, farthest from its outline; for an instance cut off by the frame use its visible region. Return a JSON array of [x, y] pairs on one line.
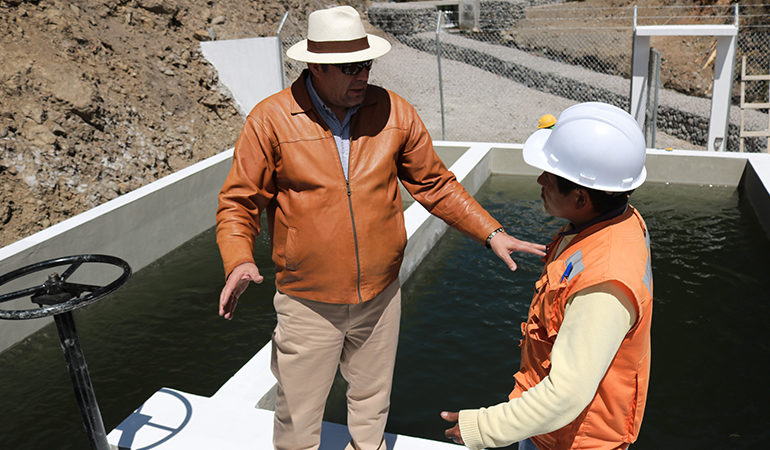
[[352, 218], [355, 242]]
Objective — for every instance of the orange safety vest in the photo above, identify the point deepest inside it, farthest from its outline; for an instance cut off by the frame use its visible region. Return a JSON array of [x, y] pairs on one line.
[[614, 250]]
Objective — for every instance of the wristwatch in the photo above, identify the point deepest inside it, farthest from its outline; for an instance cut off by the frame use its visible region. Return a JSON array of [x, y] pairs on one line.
[[492, 234]]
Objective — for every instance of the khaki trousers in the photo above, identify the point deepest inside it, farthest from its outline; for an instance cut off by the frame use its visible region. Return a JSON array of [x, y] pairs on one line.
[[310, 340]]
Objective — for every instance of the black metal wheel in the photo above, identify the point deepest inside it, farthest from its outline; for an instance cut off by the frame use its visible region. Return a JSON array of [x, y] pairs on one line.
[[57, 295]]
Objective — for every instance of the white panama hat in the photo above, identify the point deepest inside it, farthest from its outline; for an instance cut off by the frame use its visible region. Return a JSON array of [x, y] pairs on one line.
[[336, 36]]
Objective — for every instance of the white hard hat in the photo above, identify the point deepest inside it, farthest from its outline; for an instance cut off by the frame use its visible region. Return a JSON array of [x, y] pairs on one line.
[[595, 145]]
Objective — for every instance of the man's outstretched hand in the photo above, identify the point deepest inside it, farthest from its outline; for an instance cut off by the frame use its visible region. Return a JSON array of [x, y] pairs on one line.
[[504, 244], [237, 282], [454, 432]]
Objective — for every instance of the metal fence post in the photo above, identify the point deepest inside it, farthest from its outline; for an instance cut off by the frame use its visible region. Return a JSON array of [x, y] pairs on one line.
[[280, 50], [653, 88], [440, 82]]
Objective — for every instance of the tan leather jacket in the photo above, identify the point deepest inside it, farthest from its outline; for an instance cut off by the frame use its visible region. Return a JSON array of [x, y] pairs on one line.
[[333, 240]]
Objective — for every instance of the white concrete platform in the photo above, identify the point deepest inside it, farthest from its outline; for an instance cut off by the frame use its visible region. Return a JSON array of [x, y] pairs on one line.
[[175, 420]]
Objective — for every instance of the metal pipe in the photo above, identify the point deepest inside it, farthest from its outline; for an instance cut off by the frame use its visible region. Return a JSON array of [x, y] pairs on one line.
[[656, 83], [81, 381], [440, 82], [280, 49]]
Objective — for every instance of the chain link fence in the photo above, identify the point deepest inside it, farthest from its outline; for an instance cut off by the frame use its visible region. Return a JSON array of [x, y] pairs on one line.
[[293, 29], [579, 53]]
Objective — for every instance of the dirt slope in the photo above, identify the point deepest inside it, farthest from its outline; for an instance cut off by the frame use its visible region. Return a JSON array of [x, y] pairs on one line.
[[98, 98]]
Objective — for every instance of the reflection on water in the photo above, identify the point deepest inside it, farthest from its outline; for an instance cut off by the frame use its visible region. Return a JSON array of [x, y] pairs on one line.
[[460, 329]]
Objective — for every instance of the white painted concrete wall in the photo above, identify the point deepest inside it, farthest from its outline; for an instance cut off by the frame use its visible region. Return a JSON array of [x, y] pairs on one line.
[[250, 69], [139, 227]]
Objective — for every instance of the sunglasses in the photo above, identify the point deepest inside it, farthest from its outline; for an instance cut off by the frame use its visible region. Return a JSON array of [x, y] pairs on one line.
[[355, 68]]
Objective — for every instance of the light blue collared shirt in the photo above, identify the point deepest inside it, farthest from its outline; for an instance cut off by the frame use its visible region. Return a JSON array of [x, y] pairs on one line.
[[341, 131]]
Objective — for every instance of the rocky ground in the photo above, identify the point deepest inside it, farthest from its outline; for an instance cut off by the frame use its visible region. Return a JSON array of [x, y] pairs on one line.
[[98, 98]]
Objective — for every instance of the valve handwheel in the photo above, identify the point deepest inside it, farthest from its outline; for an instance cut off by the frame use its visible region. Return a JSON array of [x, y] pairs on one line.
[[57, 295]]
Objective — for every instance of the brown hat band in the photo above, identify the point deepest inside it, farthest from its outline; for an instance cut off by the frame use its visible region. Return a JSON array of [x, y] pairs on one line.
[[338, 46]]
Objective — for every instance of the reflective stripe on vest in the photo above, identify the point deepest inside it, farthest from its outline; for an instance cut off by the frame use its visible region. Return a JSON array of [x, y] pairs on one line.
[[648, 272]]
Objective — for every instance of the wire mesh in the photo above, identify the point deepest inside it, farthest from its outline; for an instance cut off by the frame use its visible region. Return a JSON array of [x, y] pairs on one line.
[[579, 52], [294, 30]]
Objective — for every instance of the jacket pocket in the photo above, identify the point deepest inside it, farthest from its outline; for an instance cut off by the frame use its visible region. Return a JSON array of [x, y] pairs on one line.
[[401, 232], [545, 312], [290, 251]]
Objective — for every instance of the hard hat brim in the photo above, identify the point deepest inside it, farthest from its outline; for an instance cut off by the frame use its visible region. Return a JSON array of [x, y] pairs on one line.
[[533, 150]]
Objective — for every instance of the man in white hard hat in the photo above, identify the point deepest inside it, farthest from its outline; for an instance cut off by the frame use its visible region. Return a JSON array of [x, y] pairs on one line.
[[323, 157], [585, 358]]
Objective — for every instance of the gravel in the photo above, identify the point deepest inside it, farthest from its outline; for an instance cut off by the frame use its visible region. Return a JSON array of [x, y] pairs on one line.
[[501, 110], [504, 111]]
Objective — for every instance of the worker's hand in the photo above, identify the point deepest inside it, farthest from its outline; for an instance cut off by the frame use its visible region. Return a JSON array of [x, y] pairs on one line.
[[237, 282], [454, 432], [504, 244]]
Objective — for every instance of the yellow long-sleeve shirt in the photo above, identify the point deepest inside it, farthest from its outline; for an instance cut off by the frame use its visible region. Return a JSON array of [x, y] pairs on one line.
[[595, 322]]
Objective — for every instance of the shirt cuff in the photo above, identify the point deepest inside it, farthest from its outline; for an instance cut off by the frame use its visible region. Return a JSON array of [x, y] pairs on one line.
[[469, 429]]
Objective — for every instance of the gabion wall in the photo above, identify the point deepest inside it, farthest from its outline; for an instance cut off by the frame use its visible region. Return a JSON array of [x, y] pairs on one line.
[[684, 125], [403, 18], [410, 18], [414, 24]]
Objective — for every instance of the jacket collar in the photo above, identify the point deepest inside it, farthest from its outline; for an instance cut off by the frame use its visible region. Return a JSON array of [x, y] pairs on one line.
[[578, 233], [301, 102], [572, 229]]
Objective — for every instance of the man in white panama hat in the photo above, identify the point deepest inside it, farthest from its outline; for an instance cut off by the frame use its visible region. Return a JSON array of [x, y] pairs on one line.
[[324, 157]]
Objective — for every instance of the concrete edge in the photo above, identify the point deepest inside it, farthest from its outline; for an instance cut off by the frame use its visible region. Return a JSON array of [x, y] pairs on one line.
[[85, 217], [139, 227], [755, 185]]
